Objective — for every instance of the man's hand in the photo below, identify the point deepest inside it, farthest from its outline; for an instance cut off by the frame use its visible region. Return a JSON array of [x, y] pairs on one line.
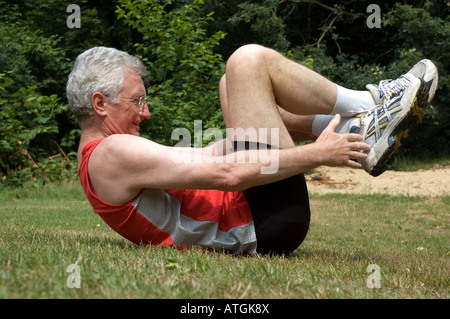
[[341, 149]]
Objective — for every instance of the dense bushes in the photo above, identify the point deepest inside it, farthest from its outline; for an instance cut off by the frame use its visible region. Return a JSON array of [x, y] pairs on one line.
[[28, 126], [185, 47]]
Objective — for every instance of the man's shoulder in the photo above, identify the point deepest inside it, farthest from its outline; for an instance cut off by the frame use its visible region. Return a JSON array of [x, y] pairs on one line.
[[126, 144], [116, 138], [124, 141]]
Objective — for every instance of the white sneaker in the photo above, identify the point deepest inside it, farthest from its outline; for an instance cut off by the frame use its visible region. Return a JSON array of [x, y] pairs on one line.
[[424, 69], [384, 126]]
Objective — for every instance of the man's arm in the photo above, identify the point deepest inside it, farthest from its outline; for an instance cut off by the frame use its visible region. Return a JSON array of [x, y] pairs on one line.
[[122, 165]]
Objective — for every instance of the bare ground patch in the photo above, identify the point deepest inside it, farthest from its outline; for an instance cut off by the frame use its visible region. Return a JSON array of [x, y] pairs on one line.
[[431, 182]]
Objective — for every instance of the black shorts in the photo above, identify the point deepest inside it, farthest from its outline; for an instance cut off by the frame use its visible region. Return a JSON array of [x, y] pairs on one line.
[[280, 211]]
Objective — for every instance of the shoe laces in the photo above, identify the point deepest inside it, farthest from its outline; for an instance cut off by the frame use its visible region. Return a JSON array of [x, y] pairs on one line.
[[376, 126], [394, 87]]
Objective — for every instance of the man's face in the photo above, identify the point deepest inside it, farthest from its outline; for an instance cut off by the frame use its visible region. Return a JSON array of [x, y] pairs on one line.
[[125, 116]]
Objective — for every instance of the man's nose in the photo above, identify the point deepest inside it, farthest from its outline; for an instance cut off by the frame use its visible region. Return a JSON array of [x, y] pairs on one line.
[[145, 113]]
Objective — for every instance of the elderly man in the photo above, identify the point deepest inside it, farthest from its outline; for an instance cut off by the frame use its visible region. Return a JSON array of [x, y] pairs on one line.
[[155, 194]]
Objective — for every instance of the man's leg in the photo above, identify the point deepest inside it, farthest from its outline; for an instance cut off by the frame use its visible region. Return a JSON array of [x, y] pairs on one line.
[[263, 89], [309, 127], [258, 79], [299, 126], [424, 69]]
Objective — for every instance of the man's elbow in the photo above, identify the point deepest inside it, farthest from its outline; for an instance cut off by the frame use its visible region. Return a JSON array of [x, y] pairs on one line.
[[231, 181]]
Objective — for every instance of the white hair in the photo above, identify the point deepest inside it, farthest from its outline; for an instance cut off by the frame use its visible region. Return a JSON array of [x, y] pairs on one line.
[[99, 69]]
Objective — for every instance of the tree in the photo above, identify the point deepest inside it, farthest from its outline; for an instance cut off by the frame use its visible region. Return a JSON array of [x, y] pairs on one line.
[[183, 67], [27, 134]]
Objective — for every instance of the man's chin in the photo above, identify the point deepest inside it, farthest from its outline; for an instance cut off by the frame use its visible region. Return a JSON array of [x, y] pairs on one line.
[[135, 130]]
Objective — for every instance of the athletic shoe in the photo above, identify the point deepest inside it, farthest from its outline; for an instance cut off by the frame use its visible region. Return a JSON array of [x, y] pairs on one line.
[[384, 126], [424, 69]]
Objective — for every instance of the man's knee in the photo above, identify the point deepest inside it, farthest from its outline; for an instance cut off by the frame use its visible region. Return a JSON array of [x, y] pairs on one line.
[[223, 83], [223, 96], [250, 55]]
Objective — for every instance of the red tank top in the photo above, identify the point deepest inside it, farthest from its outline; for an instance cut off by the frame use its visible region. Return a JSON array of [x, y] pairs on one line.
[[209, 219]]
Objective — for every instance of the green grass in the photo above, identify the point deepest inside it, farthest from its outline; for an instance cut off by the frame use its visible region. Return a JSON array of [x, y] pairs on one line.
[[44, 230]]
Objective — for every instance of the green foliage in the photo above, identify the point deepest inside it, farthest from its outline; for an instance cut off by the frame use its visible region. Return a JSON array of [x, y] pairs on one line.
[[183, 46], [183, 67], [30, 58], [421, 35], [264, 19], [27, 134]]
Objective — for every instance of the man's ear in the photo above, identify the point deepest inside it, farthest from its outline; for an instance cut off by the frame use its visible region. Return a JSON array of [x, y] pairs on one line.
[[98, 103]]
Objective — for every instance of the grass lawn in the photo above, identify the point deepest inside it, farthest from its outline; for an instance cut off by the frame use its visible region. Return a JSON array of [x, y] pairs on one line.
[[44, 230]]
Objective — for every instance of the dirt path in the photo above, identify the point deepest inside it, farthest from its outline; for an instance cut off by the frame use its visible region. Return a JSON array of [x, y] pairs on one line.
[[433, 182]]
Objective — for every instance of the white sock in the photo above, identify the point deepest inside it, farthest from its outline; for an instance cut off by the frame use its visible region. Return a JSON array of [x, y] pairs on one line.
[[352, 102], [321, 121]]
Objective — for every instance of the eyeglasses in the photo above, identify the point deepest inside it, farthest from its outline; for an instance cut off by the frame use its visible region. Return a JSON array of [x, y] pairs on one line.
[[139, 102]]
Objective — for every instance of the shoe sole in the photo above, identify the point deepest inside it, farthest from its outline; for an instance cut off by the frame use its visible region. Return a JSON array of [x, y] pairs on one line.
[[382, 153], [432, 75]]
